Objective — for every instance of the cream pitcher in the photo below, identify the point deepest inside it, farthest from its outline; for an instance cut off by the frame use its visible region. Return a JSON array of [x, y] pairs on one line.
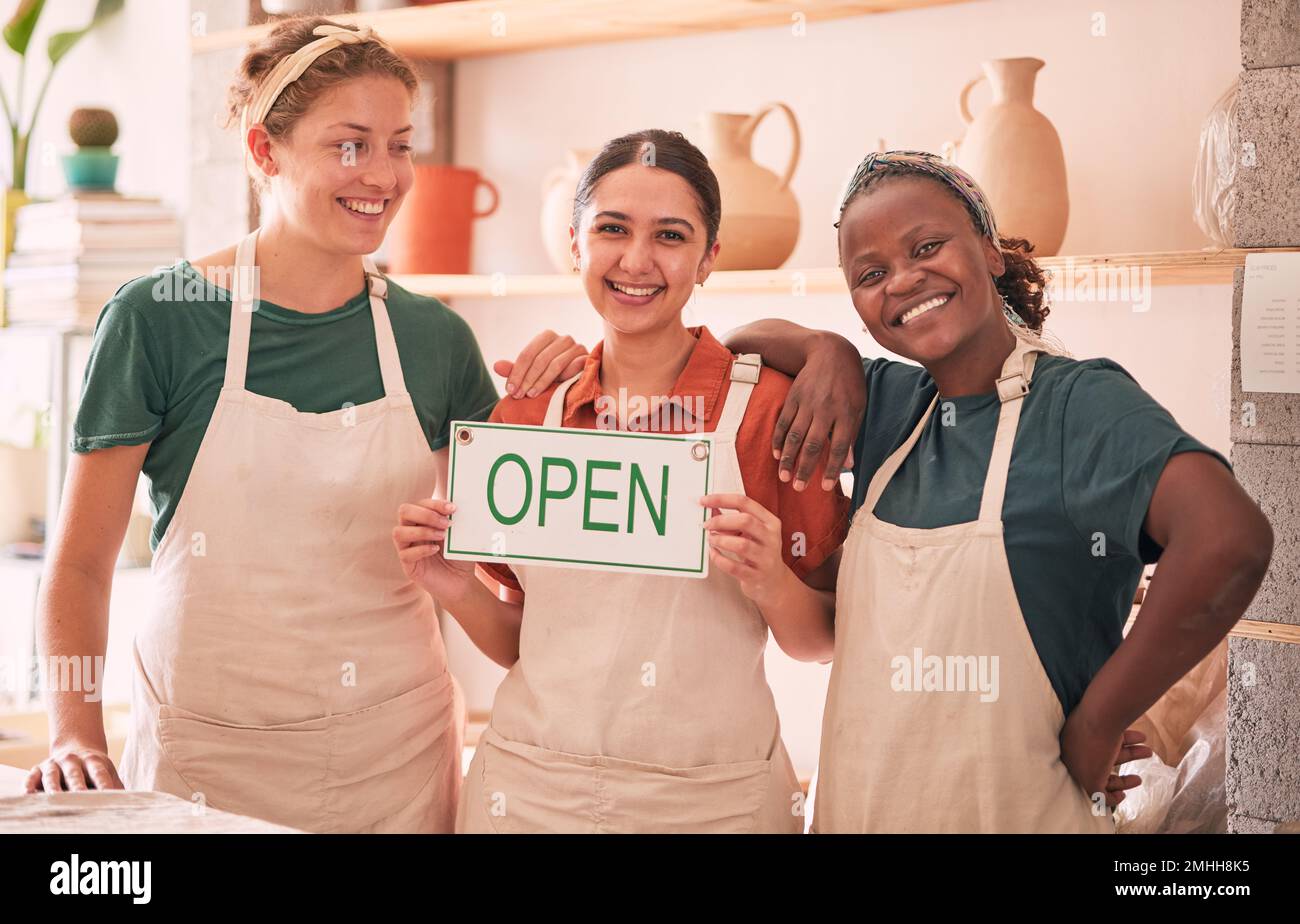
[[1015, 154], [760, 215]]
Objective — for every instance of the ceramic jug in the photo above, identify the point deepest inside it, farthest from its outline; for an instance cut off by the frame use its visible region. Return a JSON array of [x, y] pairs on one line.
[[760, 216], [1014, 153], [434, 229], [557, 207]]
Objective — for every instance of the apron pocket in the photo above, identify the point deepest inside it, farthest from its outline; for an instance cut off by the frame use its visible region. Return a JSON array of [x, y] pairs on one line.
[[530, 790], [383, 757], [712, 799], [335, 773], [275, 773]]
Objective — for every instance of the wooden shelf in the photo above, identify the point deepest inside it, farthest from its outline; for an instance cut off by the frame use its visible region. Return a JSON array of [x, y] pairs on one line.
[[476, 28], [1180, 267]]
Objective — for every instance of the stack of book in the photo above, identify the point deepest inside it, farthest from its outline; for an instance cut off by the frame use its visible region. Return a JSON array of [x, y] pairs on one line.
[[71, 254]]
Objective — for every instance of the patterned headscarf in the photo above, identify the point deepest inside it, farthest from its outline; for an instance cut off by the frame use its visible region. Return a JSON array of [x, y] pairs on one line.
[[931, 165], [964, 184]]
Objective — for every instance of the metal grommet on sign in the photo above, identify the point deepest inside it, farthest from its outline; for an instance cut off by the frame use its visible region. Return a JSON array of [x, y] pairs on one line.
[[699, 451], [464, 436]]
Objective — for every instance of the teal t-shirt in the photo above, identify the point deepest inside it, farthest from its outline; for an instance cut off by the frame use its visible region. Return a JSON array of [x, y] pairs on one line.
[[1089, 449], [158, 361]]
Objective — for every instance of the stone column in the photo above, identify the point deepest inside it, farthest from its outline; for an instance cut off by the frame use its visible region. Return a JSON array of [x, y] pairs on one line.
[[1263, 772]]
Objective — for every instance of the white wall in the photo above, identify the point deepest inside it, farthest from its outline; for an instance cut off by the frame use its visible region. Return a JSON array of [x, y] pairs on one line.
[[1128, 107]]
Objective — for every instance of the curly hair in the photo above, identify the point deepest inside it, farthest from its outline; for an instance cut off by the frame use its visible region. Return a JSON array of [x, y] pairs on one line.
[[1024, 282], [335, 66]]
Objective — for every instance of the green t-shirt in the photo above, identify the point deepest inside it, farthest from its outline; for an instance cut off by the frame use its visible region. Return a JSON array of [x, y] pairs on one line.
[[157, 365], [1089, 450]]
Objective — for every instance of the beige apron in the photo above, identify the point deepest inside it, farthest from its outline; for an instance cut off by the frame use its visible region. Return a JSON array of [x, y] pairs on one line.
[[288, 669], [639, 702], [903, 756]]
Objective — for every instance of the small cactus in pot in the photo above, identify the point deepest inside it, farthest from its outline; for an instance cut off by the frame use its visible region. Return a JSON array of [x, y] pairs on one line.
[[94, 165]]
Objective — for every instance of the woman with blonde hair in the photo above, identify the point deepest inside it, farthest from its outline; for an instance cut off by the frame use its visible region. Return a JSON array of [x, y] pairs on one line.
[[288, 669]]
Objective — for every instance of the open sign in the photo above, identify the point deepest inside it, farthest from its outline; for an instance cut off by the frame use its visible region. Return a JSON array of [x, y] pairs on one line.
[[598, 499]]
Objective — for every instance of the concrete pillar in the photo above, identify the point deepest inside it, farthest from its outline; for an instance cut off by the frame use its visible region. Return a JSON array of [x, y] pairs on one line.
[[1270, 33], [1263, 769], [1263, 765], [1267, 212]]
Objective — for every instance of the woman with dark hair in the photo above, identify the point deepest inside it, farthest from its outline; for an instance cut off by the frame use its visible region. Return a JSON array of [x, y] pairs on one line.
[[1007, 497], [282, 397], [639, 703]]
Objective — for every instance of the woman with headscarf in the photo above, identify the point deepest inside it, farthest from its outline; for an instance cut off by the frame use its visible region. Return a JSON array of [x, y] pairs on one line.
[[1007, 497]]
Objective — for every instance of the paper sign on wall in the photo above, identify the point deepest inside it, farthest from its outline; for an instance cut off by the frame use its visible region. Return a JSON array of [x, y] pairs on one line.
[[593, 499], [1270, 323]]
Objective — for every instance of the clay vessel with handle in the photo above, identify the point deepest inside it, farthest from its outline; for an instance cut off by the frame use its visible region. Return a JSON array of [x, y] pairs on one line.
[[760, 215], [558, 188], [1014, 153], [433, 231]]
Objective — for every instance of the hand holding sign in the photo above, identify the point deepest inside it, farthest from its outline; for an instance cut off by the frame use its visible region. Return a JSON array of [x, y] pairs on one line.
[[745, 542], [419, 536]]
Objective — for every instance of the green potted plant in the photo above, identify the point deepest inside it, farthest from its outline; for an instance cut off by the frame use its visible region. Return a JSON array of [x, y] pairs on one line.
[[94, 165], [18, 36]]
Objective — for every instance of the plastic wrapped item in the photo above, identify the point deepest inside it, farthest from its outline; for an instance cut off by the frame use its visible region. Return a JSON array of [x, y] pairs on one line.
[[1213, 192], [1183, 787]]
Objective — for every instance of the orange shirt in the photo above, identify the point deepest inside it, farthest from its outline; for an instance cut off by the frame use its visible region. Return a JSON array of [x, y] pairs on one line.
[[821, 516]]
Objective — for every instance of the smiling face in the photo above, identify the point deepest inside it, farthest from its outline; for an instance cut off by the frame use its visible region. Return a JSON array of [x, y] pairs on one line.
[[343, 170], [641, 246], [919, 272]]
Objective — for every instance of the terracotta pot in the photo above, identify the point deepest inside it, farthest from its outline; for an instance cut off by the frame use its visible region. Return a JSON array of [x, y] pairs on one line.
[[760, 216], [557, 207], [1015, 155], [433, 231]]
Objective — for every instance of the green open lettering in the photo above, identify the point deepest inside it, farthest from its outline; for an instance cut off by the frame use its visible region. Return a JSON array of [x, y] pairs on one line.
[[587, 522], [546, 493], [528, 488], [659, 518]]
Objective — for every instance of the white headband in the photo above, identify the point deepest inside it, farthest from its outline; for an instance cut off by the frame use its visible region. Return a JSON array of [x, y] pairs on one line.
[[293, 67]]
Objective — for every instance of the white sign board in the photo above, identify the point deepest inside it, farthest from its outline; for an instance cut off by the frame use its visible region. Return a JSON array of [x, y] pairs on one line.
[[1270, 323], [606, 500]]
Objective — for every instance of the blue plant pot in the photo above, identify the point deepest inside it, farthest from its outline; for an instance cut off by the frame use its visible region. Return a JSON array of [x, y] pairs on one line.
[[90, 168]]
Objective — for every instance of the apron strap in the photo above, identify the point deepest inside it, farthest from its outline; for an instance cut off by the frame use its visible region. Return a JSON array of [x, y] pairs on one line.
[[555, 410], [390, 363], [744, 376], [1013, 385], [245, 302], [242, 306], [891, 465]]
